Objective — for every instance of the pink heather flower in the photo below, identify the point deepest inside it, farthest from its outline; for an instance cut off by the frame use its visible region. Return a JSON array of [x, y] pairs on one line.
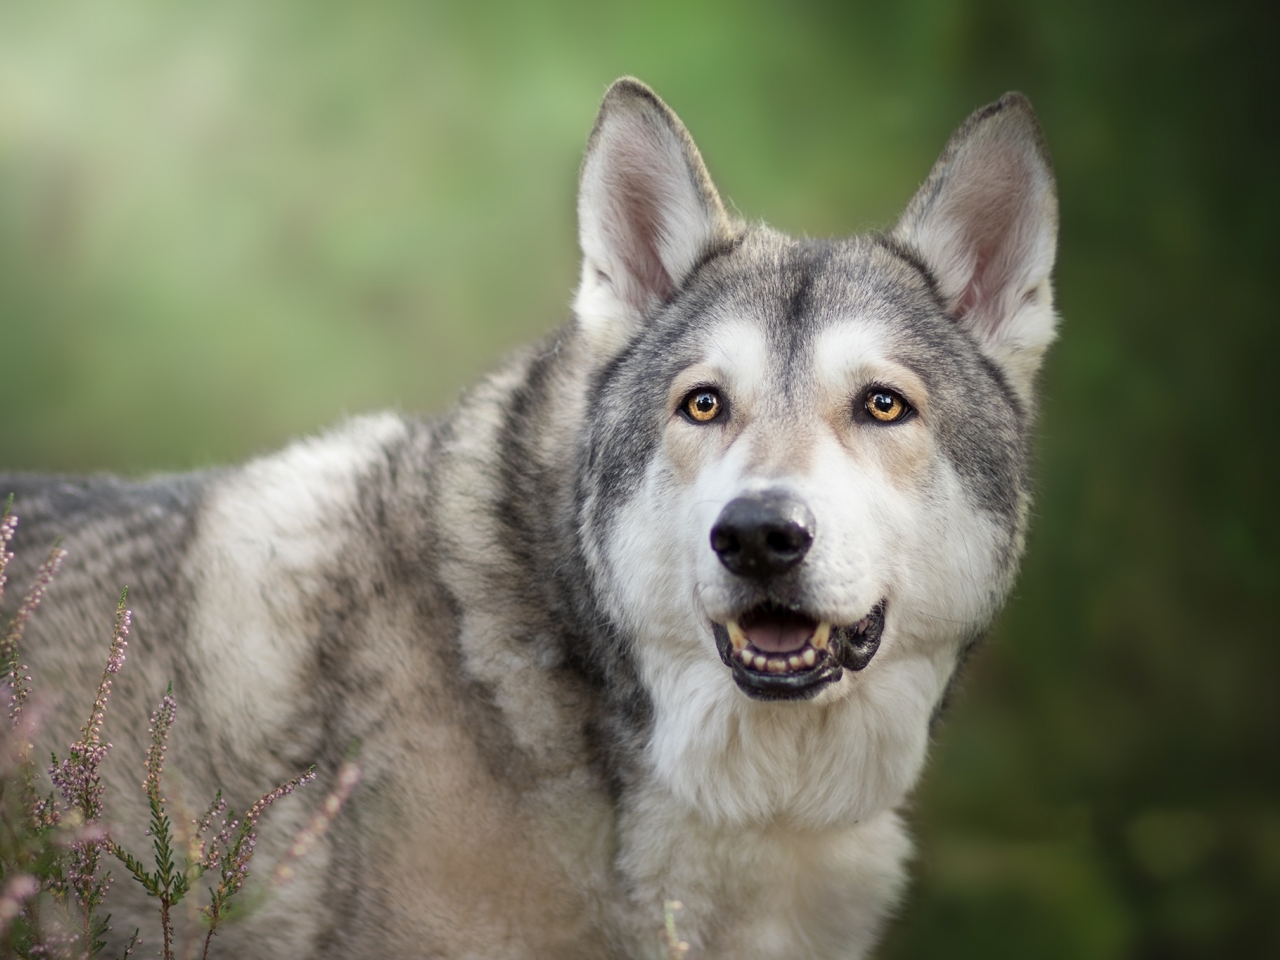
[[115, 660], [81, 786], [215, 808], [161, 720], [45, 813], [238, 866], [44, 576], [258, 809], [330, 807], [202, 852], [9, 646], [7, 524], [20, 887], [77, 778], [233, 848]]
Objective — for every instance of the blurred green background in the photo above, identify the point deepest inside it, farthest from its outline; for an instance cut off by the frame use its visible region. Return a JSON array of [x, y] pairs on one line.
[[226, 224]]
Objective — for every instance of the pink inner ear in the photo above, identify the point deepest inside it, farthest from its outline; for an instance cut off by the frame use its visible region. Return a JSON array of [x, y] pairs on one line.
[[994, 227], [646, 206], [635, 222], [972, 293], [985, 222], [638, 234]]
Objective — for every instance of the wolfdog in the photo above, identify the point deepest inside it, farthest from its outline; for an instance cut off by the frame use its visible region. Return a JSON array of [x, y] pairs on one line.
[[662, 609]]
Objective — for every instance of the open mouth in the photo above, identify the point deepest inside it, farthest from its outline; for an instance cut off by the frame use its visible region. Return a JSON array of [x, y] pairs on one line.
[[781, 654]]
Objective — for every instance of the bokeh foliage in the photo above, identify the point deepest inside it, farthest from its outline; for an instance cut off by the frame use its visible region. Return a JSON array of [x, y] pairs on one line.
[[225, 224]]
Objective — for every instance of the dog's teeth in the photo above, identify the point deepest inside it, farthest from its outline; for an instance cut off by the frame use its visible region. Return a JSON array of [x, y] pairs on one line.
[[794, 662], [736, 636], [820, 636], [776, 665], [810, 657], [862, 625], [746, 656], [760, 661]]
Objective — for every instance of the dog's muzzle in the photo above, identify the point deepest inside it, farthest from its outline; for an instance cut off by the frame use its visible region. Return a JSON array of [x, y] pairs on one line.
[[777, 651]]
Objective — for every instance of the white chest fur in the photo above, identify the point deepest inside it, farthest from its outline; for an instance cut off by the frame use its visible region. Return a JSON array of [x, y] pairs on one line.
[[760, 891]]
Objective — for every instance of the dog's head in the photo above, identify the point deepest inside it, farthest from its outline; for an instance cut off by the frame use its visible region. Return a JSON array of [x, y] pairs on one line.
[[806, 461]]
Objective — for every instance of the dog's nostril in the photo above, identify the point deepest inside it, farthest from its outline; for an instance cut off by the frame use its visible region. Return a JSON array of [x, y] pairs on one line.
[[724, 540], [762, 535], [788, 539]]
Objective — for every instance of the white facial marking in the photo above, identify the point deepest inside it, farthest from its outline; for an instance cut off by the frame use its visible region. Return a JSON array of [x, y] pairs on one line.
[[892, 523], [850, 357]]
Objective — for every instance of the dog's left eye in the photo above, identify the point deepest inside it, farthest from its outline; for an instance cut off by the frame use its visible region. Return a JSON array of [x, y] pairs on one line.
[[885, 405], [703, 405]]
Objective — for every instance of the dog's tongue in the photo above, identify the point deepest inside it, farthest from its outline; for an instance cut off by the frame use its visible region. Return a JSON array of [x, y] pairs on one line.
[[778, 632]]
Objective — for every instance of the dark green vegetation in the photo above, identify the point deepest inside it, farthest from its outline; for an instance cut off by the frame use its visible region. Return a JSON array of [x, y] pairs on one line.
[[222, 225]]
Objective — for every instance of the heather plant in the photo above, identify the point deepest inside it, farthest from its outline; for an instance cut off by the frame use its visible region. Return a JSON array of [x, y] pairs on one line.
[[76, 880], [228, 850], [53, 883]]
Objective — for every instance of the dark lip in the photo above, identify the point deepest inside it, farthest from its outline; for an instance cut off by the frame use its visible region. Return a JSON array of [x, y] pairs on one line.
[[846, 650]]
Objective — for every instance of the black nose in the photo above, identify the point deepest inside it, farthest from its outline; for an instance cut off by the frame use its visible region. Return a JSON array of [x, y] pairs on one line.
[[761, 535]]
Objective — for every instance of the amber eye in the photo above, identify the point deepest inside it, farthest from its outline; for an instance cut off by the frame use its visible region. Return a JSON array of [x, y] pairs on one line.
[[885, 405], [703, 405]]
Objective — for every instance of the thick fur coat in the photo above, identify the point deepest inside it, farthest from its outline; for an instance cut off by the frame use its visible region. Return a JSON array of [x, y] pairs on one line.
[[662, 609]]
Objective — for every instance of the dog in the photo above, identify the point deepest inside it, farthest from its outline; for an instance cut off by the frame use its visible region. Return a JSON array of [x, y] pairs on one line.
[[663, 609]]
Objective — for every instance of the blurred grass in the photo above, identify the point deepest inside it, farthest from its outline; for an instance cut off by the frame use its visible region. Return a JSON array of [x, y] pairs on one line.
[[223, 225]]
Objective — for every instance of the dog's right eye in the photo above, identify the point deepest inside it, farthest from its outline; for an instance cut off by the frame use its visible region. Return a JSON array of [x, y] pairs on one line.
[[702, 405], [886, 405]]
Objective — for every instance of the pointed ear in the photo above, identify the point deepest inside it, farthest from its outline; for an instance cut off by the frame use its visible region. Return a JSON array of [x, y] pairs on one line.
[[647, 212], [986, 223]]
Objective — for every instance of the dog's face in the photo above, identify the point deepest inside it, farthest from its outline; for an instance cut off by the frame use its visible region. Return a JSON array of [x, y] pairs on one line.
[[806, 488]]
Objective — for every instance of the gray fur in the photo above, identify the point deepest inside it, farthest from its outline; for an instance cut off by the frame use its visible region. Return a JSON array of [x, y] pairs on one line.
[[449, 595]]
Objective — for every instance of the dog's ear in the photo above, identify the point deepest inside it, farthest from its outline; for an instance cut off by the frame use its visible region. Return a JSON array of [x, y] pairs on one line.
[[647, 212], [986, 224]]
